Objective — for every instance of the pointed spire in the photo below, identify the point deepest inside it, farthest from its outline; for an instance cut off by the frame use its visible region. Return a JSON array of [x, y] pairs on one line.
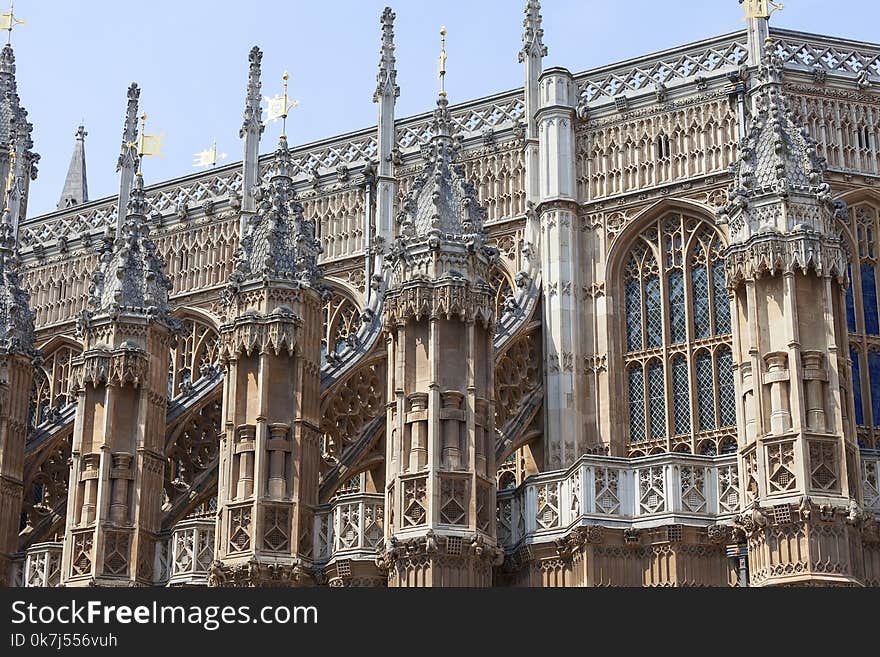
[[386, 80], [251, 130], [16, 318], [15, 135], [128, 149], [533, 33], [252, 109], [280, 242], [76, 189], [128, 155], [132, 277]]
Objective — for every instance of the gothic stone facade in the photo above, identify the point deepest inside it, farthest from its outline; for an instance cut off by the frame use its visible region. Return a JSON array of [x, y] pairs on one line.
[[613, 328]]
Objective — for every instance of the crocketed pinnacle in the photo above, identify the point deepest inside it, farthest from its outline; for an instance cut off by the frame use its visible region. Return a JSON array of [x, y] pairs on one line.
[[131, 277], [533, 33], [128, 149], [15, 129], [16, 318], [777, 163], [442, 203], [386, 80], [279, 242], [252, 110]]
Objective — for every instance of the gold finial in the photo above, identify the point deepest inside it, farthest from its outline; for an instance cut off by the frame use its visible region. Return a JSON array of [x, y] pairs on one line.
[[279, 106], [8, 21], [441, 64], [760, 8]]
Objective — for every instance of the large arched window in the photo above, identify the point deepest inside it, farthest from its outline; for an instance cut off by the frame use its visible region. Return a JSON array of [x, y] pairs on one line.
[[863, 320], [679, 364]]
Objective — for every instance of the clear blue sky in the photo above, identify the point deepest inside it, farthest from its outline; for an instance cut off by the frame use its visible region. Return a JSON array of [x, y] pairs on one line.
[[77, 57]]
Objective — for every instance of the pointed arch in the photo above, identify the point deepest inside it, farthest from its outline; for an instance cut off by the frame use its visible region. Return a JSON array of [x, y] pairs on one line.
[[673, 336]]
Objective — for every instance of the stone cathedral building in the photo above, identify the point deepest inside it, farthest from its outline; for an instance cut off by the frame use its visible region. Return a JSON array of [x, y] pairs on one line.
[[616, 327]]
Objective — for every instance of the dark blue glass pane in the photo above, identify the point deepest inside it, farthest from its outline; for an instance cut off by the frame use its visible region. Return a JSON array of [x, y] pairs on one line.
[[720, 300], [653, 312], [857, 386], [677, 317], [869, 300], [850, 304], [874, 375], [633, 316], [702, 328]]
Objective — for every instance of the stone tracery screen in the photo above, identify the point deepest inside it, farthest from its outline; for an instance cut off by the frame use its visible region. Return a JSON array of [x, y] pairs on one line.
[[677, 340]]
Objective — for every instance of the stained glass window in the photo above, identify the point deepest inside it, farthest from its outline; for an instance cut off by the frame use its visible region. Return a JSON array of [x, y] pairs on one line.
[[633, 316], [857, 386], [720, 301], [656, 400], [677, 318], [850, 303], [681, 401], [726, 396], [874, 375], [636, 404], [705, 391], [653, 312], [702, 329], [675, 300], [869, 300]]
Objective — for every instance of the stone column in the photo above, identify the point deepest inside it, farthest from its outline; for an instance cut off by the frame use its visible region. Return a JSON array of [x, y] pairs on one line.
[[271, 350], [562, 261]]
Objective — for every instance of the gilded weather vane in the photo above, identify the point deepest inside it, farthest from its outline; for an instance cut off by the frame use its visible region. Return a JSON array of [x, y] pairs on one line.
[[208, 157], [149, 144], [760, 8], [279, 106], [441, 62], [8, 21]]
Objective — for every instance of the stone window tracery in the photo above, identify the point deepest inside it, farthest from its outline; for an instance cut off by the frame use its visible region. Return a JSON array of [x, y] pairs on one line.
[[341, 323], [863, 320], [51, 390], [678, 360], [196, 351]]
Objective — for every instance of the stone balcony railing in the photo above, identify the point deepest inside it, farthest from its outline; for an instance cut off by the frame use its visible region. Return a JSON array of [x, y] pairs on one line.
[[191, 549], [617, 492], [352, 527], [42, 565]]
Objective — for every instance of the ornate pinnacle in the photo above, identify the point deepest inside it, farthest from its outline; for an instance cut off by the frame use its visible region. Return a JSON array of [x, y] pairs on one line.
[[128, 153], [252, 110], [533, 45], [387, 78], [7, 60], [137, 203], [16, 318], [282, 163]]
